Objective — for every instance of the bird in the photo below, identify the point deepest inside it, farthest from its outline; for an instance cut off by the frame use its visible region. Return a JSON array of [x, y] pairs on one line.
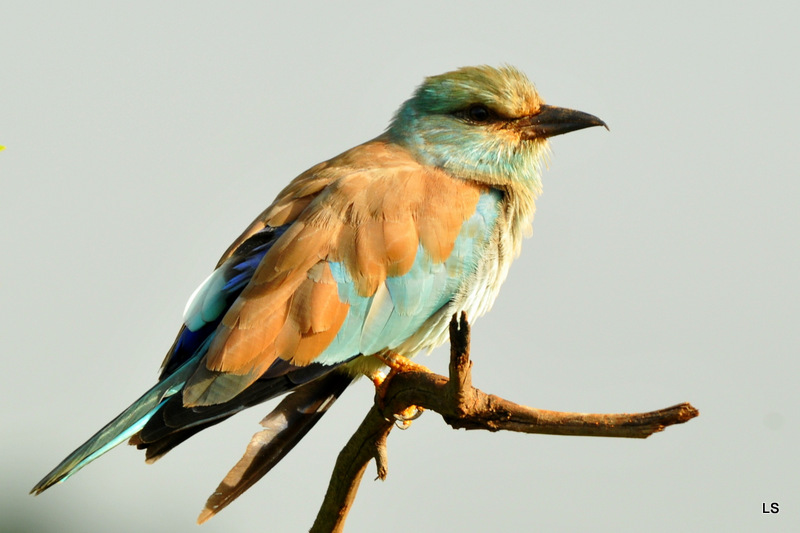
[[358, 263]]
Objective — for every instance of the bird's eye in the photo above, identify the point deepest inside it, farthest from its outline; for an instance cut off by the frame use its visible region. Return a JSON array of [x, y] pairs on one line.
[[478, 113]]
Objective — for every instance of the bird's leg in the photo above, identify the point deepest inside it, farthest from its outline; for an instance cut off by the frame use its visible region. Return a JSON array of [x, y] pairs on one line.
[[377, 378], [396, 363]]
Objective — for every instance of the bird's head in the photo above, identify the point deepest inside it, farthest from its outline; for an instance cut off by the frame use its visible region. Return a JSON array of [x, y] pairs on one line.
[[483, 123]]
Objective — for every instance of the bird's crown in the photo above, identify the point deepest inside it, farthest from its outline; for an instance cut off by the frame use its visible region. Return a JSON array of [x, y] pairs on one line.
[[505, 91]]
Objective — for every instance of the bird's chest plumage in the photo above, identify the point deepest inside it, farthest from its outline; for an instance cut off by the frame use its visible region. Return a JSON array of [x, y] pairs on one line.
[[482, 257]]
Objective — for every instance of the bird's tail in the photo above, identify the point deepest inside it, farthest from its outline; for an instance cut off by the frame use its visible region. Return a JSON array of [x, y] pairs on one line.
[[289, 422], [118, 430]]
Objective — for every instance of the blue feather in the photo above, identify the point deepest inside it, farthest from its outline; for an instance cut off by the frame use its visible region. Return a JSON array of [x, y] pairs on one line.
[[209, 303], [206, 309], [413, 297]]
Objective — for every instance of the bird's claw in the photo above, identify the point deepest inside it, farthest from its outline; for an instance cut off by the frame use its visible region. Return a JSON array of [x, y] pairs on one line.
[[403, 419], [397, 364]]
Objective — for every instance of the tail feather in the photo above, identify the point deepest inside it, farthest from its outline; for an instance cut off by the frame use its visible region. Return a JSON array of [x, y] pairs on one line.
[[128, 423], [174, 422], [285, 426]]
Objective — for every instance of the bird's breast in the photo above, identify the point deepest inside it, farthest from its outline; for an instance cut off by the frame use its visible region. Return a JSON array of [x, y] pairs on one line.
[[483, 259]]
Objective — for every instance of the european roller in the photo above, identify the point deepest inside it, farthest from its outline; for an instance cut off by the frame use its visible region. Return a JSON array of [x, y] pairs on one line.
[[359, 262]]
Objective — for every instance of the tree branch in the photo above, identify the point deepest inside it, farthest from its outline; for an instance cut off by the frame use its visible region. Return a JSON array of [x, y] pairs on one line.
[[463, 406]]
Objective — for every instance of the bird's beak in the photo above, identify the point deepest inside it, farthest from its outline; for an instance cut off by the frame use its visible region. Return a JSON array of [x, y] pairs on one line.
[[551, 121]]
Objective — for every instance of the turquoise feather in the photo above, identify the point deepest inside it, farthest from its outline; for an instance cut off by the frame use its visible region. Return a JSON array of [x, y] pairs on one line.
[[414, 296]]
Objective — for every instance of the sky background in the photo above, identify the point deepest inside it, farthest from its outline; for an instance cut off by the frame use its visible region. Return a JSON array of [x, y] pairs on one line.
[[142, 137]]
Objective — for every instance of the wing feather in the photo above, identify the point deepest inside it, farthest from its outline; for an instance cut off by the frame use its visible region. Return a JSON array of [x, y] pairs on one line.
[[353, 227]]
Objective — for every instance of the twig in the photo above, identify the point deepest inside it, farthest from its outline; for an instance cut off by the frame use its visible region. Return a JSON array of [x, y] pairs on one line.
[[463, 406]]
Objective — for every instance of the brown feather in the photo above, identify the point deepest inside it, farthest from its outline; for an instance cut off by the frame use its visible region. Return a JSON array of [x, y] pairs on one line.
[[324, 308], [401, 242], [312, 345], [237, 349], [346, 210], [288, 211], [371, 260], [283, 428]]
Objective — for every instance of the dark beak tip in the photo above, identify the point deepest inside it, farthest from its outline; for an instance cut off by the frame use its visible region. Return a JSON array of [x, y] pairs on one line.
[[551, 121], [595, 121]]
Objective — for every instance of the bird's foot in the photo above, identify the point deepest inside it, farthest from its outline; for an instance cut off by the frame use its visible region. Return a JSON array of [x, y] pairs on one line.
[[377, 378], [403, 419], [397, 364]]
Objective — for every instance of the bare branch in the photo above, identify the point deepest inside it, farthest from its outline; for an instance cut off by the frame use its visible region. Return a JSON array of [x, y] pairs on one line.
[[463, 406], [460, 384], [367, 443]]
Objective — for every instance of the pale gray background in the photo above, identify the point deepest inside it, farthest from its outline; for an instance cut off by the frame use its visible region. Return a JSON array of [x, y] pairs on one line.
[[141, 138]]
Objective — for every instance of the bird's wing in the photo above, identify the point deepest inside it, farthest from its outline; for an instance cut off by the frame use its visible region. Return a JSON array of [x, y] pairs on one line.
[[400, 302], [364, 260], [349, 260]]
